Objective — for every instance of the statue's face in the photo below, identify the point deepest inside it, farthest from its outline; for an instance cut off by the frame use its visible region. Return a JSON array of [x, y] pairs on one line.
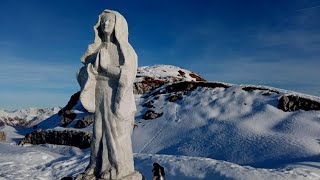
[[107, 23]]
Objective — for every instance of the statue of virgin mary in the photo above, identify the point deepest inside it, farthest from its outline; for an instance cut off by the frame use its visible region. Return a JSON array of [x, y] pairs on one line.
[[106, 83]]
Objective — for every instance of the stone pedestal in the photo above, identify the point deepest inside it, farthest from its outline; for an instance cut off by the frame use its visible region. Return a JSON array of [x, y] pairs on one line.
[[134, 176]]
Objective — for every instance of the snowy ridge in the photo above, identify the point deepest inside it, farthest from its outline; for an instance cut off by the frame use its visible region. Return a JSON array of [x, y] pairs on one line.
[[28, 116], [166, 73], [283, 91]]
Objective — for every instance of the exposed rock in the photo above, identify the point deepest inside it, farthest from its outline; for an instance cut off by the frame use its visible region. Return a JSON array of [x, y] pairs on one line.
[[148, 104], [151, 114], [72, 102], [148, 84], [181, 73], [3, 136], [68, 117], [187, 86], [150, 78], [251, 88], [175, 97], [78, 139], [66, 114], [80, 124], [197, 77], [85, 122], [294, 103], [88, 119]]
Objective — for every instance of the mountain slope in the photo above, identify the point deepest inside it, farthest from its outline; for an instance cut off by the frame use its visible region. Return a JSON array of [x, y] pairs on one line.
[[228, 124], [197, 130]]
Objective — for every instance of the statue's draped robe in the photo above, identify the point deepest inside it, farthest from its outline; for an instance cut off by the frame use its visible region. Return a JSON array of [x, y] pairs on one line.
[[109, 94]]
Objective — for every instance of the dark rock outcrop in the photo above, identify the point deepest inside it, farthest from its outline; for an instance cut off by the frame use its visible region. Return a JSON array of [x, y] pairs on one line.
[[72, 102], [66, 114], [148, 84], [175, 97], [3, 136], [197, 77], [78, 139], [289, 103], [151, 114], [148, 104], [186, 86], [251, 88], [80, 124], [68, 117], [181, 73], [84, 122]]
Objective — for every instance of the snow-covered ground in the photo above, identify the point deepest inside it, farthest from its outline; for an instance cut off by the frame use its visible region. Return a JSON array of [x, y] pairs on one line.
[[211, 133], [229, 124], [55, 162]]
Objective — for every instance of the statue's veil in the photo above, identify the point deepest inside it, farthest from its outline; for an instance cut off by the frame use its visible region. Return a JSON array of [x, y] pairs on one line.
[[128, 67], [121, 35]]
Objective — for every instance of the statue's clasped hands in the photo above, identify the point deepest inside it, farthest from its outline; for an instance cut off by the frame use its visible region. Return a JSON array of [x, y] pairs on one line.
[[92, 69]]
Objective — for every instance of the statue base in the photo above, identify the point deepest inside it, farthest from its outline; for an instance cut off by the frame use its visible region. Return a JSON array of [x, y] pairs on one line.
[[134, 176]]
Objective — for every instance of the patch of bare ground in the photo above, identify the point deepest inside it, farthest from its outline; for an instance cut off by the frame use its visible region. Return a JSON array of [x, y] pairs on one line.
[[197, 77], [290, 103], [251, 88], [148, 84], [186, 86]]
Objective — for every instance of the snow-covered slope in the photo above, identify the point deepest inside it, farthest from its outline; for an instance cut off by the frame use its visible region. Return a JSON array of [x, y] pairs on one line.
[[214, 131], [228, 124], [56, 162]]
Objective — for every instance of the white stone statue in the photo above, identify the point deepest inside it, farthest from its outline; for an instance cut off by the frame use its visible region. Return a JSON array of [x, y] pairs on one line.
[[106, 81]]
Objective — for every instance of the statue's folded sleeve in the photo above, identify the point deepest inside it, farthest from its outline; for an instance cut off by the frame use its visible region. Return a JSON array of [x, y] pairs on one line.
[[124, 105], [87, 96]]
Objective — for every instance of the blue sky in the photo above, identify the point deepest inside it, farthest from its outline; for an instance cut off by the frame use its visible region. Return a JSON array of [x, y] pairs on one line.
[[274, 43]]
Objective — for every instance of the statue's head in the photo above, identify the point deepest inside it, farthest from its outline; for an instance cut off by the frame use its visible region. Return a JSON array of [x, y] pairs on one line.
[[107, 24], [111, 22]]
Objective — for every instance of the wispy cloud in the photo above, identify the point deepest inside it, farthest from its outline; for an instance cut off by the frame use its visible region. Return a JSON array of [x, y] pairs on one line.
[[301, 40], [283, 57], [36, 73], [309, 8], [26, 83]]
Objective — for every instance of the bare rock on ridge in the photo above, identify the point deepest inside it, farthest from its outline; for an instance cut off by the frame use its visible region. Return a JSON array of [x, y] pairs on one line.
[[290, 103], [84, 122]]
